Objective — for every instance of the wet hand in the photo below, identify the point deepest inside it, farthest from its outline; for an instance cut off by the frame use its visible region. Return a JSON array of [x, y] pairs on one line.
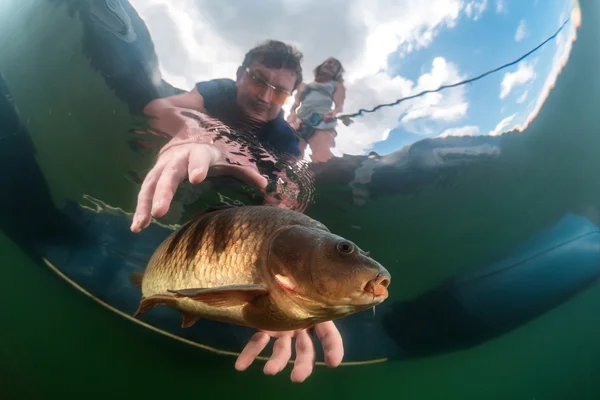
[[181, 158], [328, 334]]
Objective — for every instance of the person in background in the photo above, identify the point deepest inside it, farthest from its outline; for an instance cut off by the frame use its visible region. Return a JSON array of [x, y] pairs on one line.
[[268, 75], [315, 120]]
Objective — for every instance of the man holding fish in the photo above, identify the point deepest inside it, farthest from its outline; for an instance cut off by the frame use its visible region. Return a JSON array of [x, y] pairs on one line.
[[268, 75]]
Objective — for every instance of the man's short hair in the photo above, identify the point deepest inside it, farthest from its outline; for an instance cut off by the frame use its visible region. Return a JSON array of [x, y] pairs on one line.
[[275, 54]]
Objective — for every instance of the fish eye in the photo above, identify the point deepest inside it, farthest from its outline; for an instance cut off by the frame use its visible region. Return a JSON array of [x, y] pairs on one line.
[[345, 247]]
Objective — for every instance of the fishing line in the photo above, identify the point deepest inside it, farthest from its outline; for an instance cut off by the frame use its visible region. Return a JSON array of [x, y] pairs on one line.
[[346, 117]]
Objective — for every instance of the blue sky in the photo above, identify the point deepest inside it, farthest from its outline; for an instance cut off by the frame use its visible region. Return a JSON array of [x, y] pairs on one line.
[[477, 46]]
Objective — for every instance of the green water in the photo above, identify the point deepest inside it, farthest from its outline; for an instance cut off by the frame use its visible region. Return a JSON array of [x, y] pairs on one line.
[[60, 342], [56, 341]]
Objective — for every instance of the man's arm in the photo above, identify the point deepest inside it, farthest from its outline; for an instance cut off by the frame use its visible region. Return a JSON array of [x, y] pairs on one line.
[[192, 100], [166, 115]]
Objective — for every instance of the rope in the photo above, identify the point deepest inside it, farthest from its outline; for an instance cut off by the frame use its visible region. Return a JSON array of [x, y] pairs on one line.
[[346, 117]]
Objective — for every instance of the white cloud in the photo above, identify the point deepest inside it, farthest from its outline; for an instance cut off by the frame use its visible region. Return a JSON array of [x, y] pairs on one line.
[[523, 97], [503, 125], [367, 92], [521, 31], [522, 75], [449, 106], [468, 130], [392, 24], [474, 9], [501, 6], [188, 48], [423, 115]]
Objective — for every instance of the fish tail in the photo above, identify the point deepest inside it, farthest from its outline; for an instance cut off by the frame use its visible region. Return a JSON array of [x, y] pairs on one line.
[[136, 279]]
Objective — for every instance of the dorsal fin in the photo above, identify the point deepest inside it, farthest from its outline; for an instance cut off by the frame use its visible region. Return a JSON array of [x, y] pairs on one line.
[[211, 209], [206, 211]]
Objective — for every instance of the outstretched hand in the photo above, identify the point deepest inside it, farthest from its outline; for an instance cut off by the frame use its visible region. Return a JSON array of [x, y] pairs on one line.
[[328, 334], [182, 158]]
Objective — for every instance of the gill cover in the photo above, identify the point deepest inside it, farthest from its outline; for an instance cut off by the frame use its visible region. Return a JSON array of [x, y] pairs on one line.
[[290, 257]]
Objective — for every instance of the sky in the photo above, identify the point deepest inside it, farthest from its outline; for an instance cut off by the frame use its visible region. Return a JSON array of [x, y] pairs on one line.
[[390, 49]]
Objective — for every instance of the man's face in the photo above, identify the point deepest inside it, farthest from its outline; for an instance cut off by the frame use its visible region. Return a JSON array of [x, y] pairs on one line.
[[262, 91]]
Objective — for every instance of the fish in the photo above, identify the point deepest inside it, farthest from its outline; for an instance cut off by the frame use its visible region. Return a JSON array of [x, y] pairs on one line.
[[263, 267]]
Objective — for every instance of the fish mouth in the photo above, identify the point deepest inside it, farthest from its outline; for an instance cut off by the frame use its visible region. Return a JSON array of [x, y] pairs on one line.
[[377, 288]]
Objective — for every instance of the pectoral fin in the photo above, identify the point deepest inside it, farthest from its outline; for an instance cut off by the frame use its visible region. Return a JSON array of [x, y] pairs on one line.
[[224, 296], [149, 303]]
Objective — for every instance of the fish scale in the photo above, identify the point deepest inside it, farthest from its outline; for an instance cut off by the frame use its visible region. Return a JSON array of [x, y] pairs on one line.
[[214, 267], [235, 262]]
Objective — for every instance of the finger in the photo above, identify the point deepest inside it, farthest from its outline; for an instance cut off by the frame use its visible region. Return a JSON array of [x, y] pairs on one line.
[[331, 342], [141, 217], [172, 175], [198, 165], [305, 357], [282, 352], [248, 175], [255, 345]]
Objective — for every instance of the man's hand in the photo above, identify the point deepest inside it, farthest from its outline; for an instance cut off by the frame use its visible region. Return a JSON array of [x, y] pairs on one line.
[[328, 334], [185, 158]]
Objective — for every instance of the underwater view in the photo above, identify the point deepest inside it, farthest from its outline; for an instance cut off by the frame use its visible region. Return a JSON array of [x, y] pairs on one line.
[[281, 199]]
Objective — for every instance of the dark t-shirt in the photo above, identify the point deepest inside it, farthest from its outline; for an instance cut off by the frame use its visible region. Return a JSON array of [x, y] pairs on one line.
[[220, 102]]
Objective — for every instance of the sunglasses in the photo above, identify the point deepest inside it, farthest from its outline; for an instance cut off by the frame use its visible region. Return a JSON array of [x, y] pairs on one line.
[[259, 85]]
